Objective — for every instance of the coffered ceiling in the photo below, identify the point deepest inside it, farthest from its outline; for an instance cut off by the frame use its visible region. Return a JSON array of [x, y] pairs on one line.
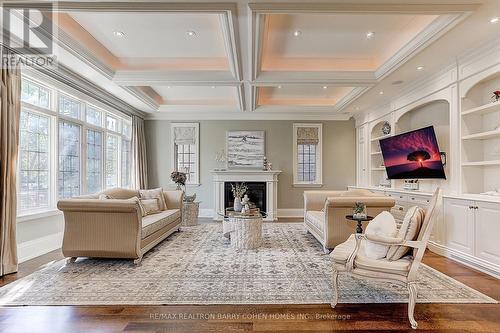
[[243, 60]]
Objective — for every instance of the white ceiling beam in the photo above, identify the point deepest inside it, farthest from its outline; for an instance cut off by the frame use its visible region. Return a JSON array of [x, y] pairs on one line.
[[172, 78]]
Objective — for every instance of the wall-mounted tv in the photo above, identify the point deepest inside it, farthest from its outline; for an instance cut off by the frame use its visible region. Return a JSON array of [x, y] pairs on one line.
[[413, 155]]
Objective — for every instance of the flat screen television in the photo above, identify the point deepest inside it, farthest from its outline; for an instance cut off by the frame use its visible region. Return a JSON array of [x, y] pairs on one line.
[[413, 155]]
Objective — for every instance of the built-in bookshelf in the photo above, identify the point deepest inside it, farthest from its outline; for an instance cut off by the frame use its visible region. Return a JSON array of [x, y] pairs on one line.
[[480, 137], [378, 174]]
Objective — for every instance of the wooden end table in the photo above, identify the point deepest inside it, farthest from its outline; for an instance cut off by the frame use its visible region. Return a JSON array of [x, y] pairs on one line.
[[359, 220]]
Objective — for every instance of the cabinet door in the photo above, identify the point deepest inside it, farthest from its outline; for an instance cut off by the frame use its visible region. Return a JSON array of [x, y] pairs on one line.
[[487, 232], [459, 225]]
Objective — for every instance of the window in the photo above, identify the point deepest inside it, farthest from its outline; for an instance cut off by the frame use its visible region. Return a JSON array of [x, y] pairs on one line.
[[69, 159], [185, 150], [112, 123], [35, 94], [69, 107], [94, 116], [94, 161], [307, 149], [111, 161], [34, 166], [68, 147], [126, 170]]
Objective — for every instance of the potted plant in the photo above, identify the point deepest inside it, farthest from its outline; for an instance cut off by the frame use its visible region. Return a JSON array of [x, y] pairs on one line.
[[238, 190], [359, 210]]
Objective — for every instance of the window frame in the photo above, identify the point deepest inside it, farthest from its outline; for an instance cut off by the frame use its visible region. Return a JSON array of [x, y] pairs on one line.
[[318, 182], [173, 152], [55, 91]]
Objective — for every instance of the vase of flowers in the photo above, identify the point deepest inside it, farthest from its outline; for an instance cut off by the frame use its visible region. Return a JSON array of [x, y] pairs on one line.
[[238, 190], [179, 178]]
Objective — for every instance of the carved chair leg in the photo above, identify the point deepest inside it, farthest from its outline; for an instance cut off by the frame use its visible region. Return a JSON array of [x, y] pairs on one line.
[[326, 250], [412, 290], [335, 280], [71, 260]]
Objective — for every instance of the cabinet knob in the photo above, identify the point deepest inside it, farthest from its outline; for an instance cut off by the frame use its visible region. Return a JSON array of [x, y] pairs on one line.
[[471, 207], [412, 198]]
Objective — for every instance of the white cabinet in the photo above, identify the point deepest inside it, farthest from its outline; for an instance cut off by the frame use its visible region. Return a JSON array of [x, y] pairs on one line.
[[459, 224], [487, 231]]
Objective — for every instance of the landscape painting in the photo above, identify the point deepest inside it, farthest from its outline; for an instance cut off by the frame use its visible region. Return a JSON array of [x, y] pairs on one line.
[[245, 149], [413, 155]]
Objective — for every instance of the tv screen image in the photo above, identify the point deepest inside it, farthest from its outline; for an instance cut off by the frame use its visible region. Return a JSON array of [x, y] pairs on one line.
[[413, 155]]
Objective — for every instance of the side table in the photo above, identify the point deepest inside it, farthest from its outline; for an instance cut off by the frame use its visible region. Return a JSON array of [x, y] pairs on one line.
[[359, 220], [190, 212]]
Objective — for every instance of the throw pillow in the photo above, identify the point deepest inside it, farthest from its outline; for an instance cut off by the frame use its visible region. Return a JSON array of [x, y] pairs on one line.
[[151, 206], [382, 225], [156, 193], [408, 231]]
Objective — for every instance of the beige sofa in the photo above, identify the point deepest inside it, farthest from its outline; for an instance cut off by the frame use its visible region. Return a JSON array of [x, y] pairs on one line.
[[115, 228], [325, 211]]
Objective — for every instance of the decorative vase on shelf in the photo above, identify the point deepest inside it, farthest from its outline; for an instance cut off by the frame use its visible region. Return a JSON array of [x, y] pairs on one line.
[[237, 205]]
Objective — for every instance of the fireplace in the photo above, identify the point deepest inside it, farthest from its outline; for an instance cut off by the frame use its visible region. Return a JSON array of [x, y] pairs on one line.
[[256, 193], [263, 190]]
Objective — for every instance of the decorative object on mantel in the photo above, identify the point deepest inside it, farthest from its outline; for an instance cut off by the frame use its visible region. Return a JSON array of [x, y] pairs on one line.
[[411, 184], [179, 178], [359, 210], [496, 95], [268, 166], [220, 158], [238, 190], [386, 128], [245, 149]]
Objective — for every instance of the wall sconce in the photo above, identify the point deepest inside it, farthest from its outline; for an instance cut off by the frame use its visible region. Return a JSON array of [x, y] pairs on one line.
[[443, 157]]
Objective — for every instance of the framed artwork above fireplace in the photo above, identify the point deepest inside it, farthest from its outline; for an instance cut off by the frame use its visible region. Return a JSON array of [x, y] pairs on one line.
[[245, 149]]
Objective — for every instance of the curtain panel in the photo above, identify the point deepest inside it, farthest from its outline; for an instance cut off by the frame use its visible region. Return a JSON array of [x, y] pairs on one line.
[[139, 157], [10, 110]]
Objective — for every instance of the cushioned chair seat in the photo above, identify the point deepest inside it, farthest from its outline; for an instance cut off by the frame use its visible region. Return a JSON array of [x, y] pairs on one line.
[[154, 222], [316, 218], [342, 252]]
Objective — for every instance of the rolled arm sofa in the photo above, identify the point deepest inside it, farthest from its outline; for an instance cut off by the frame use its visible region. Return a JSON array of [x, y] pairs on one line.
[[115, 228], [325, 211]]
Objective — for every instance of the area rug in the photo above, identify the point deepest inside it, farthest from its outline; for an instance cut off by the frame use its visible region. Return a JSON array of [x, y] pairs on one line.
[[198, 266]]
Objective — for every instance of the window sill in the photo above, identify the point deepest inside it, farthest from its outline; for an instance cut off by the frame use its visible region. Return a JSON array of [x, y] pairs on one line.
[[307, 185], [38, 215]]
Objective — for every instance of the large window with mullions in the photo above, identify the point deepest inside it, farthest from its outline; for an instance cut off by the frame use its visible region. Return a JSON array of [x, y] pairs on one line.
[[69, 159], [307, 149], [185, 150]]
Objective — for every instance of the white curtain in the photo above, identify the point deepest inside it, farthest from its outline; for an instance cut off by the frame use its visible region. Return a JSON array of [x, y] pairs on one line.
[[139, 157]]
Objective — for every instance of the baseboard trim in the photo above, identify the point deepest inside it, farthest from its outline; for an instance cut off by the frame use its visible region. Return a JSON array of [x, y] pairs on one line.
[[39, 246], [282, 212], [466, 259]]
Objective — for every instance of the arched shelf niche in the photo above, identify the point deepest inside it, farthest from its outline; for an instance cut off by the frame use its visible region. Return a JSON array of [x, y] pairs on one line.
[[480, 134], [430, 113], [378, 175]]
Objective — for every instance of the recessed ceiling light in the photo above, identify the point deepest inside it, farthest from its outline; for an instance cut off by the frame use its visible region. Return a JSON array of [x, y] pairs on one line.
[[119, 34], [279, 87], [381, 92], [370, 34], [357, 107], [420, 68], [213, 87], [324, 87], [190, 33], [495, 20], [297, 33], [168, 87]]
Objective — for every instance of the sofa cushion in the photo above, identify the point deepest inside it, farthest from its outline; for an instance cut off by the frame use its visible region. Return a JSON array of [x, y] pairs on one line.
[[156, 193], [154, 222], [342, 252], [317, 219]]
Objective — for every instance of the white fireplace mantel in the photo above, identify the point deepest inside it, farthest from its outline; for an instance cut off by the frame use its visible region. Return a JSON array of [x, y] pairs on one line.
[[269, 177]]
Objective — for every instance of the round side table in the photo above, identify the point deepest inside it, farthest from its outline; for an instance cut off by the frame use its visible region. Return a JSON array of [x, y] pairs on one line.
[[190, 212], [359, 220]]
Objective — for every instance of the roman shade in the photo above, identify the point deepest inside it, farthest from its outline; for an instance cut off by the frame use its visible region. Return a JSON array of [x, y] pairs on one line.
[[307, 136], [184, 135]]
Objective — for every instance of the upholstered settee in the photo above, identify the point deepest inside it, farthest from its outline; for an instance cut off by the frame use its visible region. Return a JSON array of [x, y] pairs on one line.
[[325, 211], [115, 227]]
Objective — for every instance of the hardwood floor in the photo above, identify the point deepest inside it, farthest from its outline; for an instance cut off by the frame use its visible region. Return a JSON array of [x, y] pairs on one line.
[[259, 318]]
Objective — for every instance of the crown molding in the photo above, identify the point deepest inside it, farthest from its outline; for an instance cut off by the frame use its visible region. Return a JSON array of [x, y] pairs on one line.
[[237, 115]]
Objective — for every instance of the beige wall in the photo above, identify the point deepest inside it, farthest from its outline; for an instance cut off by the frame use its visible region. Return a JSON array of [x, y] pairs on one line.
[[338, 155]]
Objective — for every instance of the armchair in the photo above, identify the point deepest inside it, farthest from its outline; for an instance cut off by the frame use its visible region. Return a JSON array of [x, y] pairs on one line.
[[346, 258]]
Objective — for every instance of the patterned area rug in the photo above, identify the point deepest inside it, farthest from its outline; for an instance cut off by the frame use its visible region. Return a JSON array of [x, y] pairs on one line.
[[198, 266]]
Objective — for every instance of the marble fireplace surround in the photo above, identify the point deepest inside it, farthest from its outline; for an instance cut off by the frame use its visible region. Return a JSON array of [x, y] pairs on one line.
[[269, 177]]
